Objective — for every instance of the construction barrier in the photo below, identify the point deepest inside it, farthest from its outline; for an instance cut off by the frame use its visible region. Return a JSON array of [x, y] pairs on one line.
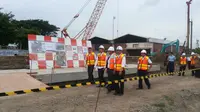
[[11, 93]]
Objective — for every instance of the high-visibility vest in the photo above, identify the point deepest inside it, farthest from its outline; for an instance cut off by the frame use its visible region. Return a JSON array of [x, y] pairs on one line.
[[183, 60], [90, 58], [101, 59], [118, 63], [112, 62], [192, 59], [143, 63]]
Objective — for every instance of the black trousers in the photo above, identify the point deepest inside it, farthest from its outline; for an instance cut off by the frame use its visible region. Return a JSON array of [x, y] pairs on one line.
[[182, 68], [90, 73], [166, 65], [110, 73], [189, 64], [140, 74], [101, 75], [193, 71], [119, 87]]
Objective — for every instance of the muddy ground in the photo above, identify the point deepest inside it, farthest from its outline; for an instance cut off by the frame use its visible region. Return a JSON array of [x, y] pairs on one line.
[[168, 94]]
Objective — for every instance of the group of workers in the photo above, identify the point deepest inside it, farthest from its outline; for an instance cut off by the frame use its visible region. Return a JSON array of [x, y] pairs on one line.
[[114, 64], [191, 61]]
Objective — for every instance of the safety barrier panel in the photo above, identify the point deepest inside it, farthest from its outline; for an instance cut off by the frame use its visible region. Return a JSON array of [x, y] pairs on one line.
[[11, 93]]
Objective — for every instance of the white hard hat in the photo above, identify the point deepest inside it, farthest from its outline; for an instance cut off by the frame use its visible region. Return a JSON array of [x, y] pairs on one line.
[[119, 48], [192, 53], [183, 54], [144, 51], [101, 47], [111, 48]]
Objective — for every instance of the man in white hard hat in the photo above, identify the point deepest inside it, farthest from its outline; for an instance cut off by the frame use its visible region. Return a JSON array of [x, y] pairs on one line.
[[90, 61], [120, 63], [110, 63], [143, 69], [101, 64], [183, 63], [192, 63]]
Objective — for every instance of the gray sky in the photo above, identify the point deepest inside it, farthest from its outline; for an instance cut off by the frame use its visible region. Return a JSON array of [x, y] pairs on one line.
[[149, 18]]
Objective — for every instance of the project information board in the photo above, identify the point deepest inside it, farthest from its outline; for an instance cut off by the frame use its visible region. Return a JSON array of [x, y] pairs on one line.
[[47, 52]]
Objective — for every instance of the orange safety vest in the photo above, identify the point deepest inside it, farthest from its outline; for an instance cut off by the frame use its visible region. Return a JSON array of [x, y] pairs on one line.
[[90, 58], [101, 59], [192, 60], [183, 61], [143, 63], [118, 63], [112, 62]]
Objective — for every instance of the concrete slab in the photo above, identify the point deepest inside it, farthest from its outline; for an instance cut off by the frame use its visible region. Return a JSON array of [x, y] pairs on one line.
[[13, 81], [56, 75], [72, 74]]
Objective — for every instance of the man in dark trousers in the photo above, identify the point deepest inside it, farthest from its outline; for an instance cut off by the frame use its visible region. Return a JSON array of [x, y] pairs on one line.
[[192, 63], [100, 64], [110, 62], [183, 63], [120, 63], [143, 69], [90, 61]]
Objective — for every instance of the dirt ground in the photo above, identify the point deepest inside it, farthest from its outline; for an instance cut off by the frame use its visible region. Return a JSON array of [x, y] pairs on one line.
[[82, 99]]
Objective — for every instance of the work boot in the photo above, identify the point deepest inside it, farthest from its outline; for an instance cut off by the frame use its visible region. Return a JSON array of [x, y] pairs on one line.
[[116, 93], [139, 88]]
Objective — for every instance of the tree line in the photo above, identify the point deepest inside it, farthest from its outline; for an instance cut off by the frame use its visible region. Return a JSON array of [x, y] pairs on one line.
[[16, 31]]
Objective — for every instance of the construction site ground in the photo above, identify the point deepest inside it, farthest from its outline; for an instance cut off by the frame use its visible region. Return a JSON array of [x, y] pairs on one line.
[[168, 93]]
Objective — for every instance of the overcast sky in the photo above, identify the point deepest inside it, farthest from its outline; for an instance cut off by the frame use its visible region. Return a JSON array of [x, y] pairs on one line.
[[149, 18]]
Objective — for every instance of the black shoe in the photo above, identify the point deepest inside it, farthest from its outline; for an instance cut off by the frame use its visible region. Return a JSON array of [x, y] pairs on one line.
[[179, 75], [139, 88], [109, 91], [149, 87], [121, 94], [116, 93], [99, 86]]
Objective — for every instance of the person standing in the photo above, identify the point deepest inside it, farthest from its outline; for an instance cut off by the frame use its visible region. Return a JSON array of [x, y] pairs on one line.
[[90, 61], [166, 62], [100, 64], [183, 62], [171, 63], [192, 63], [143, 69], [120, 63], [110, 67]]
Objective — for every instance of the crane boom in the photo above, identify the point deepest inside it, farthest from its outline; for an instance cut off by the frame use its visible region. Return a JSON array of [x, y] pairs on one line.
[[94, 18]]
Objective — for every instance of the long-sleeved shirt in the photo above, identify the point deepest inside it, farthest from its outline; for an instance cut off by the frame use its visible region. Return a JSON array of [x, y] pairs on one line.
[[96, 62]]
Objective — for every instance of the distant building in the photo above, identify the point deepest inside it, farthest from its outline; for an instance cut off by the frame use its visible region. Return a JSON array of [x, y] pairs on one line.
[[133, 44]]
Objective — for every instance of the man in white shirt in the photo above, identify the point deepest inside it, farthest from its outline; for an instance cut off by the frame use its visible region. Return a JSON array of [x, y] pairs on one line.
[[143, 69], [110, 63], [100, 64], [120, 63]]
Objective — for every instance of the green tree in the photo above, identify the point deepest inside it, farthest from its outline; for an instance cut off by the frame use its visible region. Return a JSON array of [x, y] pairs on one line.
[[7, 29], [12, 30]]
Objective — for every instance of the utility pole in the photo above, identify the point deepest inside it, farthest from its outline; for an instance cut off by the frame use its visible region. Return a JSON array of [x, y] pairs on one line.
[[188, 24], [113, 32], [191, 23], [197, 44]]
